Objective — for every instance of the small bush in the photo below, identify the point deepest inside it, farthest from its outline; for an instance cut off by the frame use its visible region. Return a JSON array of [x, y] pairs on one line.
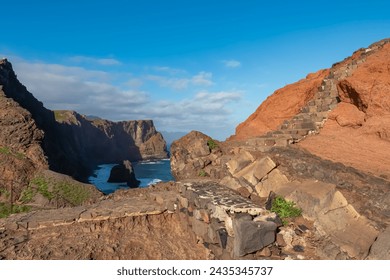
[[4, 192], [5, 150], [27, 195], [72, 193], [8, 151], [211, 143], [202, 173], [285, 209], [43, 187], [5, 209]]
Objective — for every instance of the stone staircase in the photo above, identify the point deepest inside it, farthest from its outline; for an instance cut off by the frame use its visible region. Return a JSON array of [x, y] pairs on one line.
[[312, 117]]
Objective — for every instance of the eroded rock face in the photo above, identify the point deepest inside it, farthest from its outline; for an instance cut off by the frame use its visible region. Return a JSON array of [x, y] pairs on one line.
[[103, 141], [20, 147], [123, 173]]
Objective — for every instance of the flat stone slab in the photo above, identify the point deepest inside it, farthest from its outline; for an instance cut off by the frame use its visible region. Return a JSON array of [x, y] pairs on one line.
[[217, 195], [103, 210]]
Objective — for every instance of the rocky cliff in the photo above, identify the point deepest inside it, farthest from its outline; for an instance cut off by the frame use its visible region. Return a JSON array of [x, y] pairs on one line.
[[71, 143], [103, 141], [20, 146]]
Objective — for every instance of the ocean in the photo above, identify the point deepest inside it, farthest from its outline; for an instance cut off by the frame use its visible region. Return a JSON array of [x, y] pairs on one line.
[[148, 172]]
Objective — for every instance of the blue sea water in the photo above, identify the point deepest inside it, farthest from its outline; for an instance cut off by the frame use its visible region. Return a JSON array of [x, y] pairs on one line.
[[148, 172]]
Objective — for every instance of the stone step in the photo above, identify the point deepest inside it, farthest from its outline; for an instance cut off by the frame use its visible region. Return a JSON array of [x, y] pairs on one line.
[[270, 141], [300, 125], [298, 133], [322, 94]]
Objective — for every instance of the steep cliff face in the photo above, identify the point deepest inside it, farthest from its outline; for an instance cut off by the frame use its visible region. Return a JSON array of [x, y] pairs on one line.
[[103, 141], [71, 143], [20, 147]]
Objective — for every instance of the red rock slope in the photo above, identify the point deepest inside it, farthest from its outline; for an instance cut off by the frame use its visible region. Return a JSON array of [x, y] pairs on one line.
[[357, 132], [281, 105]]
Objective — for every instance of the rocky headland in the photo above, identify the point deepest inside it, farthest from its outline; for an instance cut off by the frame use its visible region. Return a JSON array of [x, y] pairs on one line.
[[34, 139], [320, 145]]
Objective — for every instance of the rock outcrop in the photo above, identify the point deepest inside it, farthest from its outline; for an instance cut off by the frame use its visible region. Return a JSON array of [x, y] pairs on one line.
[[191, 156], [123, 173], [102, 141], [20, 148]]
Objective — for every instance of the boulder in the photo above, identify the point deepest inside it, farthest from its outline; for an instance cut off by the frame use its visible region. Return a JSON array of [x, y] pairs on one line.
[[255, 171], [250, 236], [271, 182], [380, 250], [240, 161], [124, 173]]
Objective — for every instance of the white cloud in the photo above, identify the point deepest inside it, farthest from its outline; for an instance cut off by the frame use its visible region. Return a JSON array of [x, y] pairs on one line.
[[93, 60], [202, 79], [231, 63], [173, 83], [74, 88], [169, 70], [203, 110]]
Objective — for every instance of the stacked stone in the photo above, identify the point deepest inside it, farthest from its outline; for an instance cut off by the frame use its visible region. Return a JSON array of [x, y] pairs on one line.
[[230, 225]]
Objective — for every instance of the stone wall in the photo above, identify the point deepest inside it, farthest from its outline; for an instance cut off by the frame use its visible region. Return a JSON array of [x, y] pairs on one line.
[[230, 225], [186, 220]]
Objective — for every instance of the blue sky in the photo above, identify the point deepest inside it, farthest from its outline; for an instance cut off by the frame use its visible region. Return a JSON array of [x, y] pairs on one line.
[[188, 65]]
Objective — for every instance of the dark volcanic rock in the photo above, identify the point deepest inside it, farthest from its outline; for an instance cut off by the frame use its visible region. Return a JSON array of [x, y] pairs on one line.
[[124, 173], [252, 236]]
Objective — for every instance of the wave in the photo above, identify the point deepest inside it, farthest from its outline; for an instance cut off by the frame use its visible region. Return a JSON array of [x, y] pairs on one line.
[[151, 162], [145, 182]]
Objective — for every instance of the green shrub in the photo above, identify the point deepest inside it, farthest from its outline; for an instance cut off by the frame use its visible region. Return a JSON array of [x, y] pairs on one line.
[[211, 143], [72, 193], [285, 209], [43, 187], [27, 195], [5, 209], [202, 173], [5, 192], [5, 150]]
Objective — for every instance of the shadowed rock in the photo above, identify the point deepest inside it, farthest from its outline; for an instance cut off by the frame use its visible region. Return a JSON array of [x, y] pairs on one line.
[[124, 173]]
